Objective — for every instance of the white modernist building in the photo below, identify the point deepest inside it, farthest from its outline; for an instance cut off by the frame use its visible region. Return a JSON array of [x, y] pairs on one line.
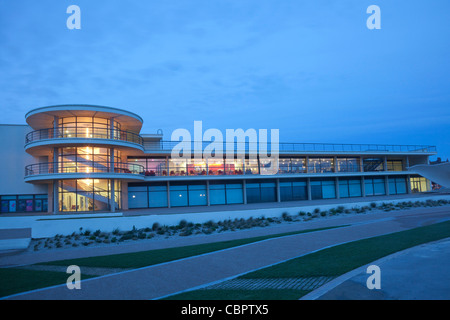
[[84, 158]]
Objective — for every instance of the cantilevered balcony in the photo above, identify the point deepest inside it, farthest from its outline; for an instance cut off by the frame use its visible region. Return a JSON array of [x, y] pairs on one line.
[[79, 135], [83, 169]]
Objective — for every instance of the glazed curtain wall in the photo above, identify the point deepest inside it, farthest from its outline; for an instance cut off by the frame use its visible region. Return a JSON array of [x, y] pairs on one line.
[[160, 166], [86, 159], [420, 184], [87, 195], [87, 127], [182, 194], [185, 194]]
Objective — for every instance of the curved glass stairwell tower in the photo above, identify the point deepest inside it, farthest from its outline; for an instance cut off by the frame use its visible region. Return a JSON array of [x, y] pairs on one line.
[[80, 148]]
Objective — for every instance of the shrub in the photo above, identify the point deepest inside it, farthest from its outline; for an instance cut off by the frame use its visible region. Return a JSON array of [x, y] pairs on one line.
[[207, 231], [302, 213], [142, 235], [97, 233], [212, 224], [316, 210], [323, 213], [162, 230], [186, 233], [126, 236], [183, 223], [155, 226], [286, 216]]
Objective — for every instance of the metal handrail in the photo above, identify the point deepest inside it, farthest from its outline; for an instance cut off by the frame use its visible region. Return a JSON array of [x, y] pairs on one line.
[[248, 147], [83, 167], [85, 133], [205, 170]]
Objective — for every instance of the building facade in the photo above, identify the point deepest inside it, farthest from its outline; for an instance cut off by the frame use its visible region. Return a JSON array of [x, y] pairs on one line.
[[83, 158]]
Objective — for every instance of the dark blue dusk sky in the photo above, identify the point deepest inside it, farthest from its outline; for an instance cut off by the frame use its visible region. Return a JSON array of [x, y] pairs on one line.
[[311, 69]]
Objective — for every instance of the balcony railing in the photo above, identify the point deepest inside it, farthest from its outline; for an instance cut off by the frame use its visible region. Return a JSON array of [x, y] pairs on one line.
[[252, 170], [83, 167], [247, 147], [83, 133]]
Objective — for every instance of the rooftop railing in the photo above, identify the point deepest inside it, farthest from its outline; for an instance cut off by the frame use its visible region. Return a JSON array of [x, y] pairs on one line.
[[247, 147], [83, 133]]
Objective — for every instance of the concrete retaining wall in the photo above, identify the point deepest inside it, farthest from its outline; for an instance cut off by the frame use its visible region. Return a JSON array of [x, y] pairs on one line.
[[49, 226]]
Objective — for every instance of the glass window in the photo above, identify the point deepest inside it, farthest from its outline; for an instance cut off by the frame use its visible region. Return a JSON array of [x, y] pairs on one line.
[[373, 164], [216, 167], [321, 165], [38, 205], [368, 185], [178, 198], [221, 192], [29, 205], [298, 165], [268, 192], [234, 166], [379, 187], [323, 189], [328, 189], [397, 185], [354, 188], [293, 190], [177, 167], [419, 184], [251, 166], [12, 205], [197, 195], [349, 188], [253, 192], [217, 194], [394, 165], [5, 206], [86, 195], [234, 195], [347, 165], [343, 189], [286, 191]]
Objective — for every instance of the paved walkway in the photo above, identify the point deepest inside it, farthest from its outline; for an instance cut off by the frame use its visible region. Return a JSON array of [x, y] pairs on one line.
[[172, 277], [418, 273]]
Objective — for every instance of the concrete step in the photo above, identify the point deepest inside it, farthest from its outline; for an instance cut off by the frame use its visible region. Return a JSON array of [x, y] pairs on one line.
[[15, 238]]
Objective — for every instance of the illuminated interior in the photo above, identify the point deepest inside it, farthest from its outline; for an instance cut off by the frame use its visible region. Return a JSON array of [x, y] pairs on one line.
[[87, 195]]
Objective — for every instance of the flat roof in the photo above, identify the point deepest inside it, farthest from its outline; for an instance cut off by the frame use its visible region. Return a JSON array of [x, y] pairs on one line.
[[42, 118]]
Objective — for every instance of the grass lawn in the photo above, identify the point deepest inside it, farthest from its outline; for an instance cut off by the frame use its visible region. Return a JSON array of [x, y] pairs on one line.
[[333, 261], [13, 280]]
